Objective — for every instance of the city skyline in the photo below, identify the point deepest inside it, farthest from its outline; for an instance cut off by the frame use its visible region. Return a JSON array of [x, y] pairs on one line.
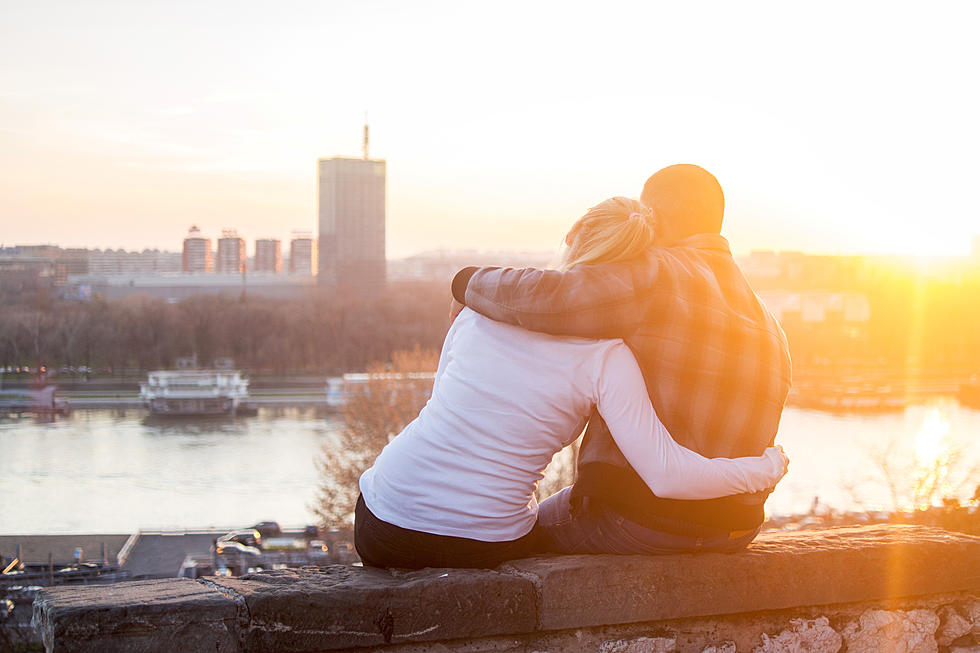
[[114, 135]]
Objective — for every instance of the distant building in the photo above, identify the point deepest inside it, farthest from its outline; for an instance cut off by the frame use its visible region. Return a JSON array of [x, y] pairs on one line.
[[173, 288], [268, 255], [149, 261], [23, 274], [351, 213], [302, 255], [818, 306], [37, 251], [230, 258], [197, 252], [76, 260]]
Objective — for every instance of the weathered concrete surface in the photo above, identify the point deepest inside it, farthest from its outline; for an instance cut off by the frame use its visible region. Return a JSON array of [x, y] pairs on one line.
[[338, 606], [815, 630], [780, 570], [141, 616], [874, 588]]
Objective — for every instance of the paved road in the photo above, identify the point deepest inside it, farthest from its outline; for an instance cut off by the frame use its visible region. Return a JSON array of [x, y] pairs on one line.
[[35, 548]]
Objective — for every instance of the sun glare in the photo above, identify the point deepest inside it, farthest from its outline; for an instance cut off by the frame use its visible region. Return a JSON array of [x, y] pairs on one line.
[[930, 443], [934, 458]]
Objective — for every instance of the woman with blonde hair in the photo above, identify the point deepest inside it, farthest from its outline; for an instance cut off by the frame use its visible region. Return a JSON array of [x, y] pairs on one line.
[[618, 229], [456, 487]]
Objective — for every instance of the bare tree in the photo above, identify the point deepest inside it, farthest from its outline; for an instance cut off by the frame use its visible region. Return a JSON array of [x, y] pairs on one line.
[[35, 326], [920, 483], [374, 413]]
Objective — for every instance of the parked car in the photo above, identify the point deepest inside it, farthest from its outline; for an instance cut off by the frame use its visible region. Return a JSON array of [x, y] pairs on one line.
[[248, 537], [318, 545], [268, 528], [230, 546]]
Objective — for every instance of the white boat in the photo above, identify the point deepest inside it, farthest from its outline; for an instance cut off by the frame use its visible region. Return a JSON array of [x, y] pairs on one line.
[[339, 388], [194, 392]]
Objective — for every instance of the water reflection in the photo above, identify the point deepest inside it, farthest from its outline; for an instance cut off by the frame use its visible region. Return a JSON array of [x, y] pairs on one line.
[[108, 471], [885, 462], [115, 471], [158, 425], [931, 444], [943, 468]]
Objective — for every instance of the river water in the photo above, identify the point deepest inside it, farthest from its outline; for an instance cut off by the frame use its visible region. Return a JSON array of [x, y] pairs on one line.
[[103, 471]]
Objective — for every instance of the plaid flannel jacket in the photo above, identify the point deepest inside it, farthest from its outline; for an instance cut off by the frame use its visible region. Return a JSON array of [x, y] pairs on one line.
[[715, 361]]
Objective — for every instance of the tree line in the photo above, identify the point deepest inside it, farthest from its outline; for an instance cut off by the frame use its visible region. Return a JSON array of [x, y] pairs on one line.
[[323, 332], [928, 324]]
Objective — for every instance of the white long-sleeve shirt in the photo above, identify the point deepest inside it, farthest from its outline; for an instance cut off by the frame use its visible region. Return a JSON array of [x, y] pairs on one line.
[[503, 402]]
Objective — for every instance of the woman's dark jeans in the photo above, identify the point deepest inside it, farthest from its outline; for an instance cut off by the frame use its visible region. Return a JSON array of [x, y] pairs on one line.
[[595, 528], [381, 544]]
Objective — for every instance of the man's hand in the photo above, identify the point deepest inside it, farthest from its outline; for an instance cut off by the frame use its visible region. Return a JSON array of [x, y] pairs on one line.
[[454, 308]]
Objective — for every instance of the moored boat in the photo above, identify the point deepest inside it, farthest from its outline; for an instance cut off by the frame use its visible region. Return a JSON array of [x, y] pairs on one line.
[[861, 397], [194, 392], [42, 402]]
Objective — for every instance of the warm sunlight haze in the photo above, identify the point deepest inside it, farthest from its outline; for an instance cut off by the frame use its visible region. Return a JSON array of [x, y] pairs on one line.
[[442, 325], [844, 129]]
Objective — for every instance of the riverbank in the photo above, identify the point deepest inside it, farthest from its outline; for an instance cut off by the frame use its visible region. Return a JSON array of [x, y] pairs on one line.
[[123, 392], [286, 397], [855, 394]]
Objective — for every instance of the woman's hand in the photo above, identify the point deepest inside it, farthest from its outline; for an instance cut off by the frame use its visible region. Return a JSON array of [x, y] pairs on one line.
[[779, 461]]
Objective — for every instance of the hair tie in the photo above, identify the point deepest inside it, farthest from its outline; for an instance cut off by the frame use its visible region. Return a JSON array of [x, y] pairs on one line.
[[636, 214]]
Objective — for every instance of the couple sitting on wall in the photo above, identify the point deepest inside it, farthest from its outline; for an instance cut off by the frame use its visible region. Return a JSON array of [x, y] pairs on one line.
[[647, 332]]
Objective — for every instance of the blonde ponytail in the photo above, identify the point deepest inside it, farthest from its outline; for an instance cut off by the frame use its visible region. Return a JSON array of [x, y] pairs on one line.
[[617, 229]]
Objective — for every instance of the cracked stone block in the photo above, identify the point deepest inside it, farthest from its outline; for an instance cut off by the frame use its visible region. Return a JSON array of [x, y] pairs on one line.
[[813, 635], [640, 645], [952, 626], [883, 631], [778, 571], [313, 609], [171, 614]]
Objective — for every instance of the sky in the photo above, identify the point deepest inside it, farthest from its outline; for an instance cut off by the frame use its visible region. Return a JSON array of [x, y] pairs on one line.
[[834, 127]]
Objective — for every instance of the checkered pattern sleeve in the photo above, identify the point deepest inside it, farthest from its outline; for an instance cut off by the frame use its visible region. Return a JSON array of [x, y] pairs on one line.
[[589, 301]]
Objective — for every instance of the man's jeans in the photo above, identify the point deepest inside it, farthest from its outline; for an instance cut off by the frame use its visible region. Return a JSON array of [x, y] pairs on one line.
[[595, 528], [381, 544]]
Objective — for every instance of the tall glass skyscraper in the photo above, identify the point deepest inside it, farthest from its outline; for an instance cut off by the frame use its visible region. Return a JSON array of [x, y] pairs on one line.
[[351, 210]]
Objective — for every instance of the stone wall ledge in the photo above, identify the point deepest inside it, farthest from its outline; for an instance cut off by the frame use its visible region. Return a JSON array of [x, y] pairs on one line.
[[339, 607]]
